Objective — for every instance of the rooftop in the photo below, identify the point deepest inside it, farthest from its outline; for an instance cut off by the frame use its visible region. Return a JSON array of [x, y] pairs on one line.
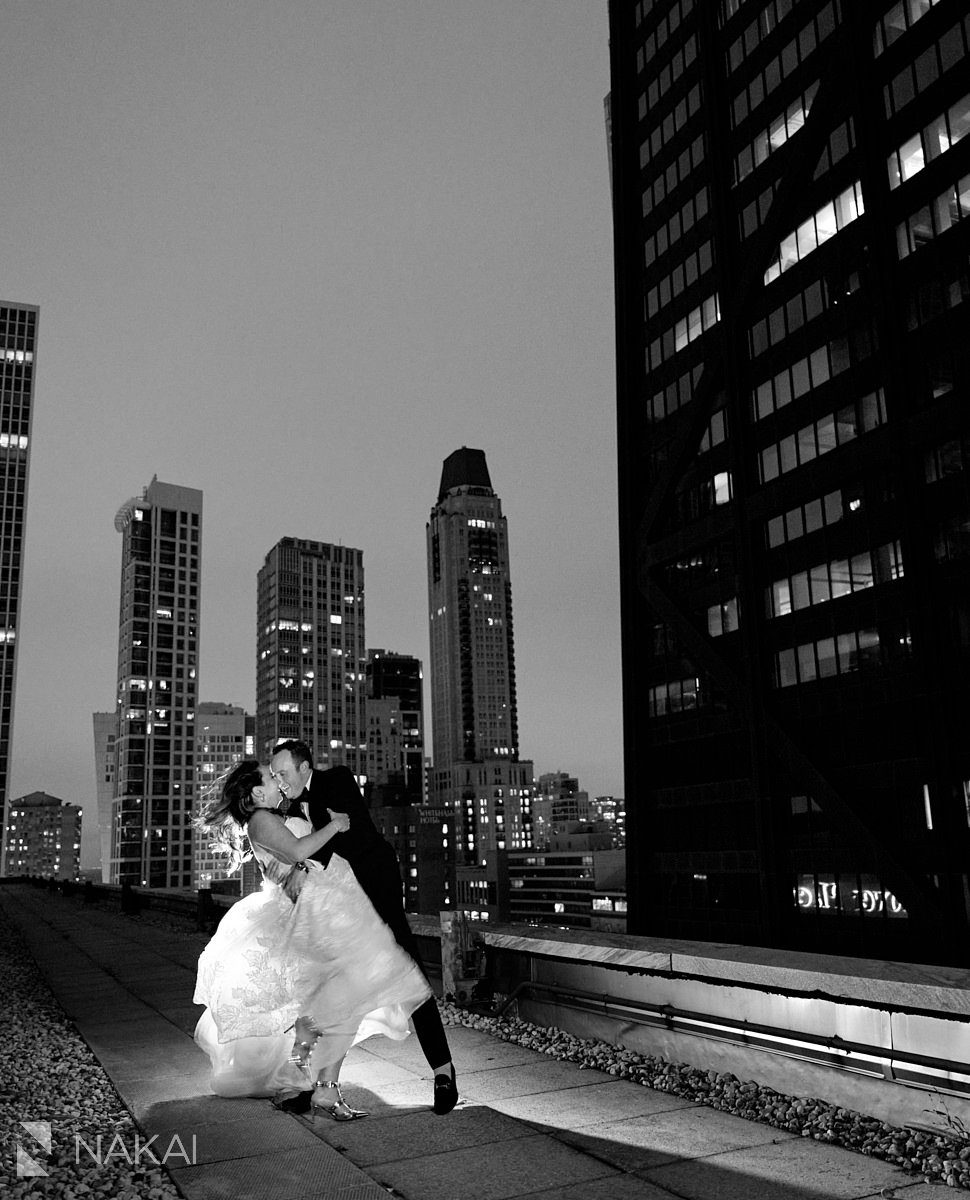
[[528, 1125]]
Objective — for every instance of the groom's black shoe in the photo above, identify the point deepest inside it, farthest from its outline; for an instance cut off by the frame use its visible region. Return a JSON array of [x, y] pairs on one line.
[[298, 1103], [445, 1093]]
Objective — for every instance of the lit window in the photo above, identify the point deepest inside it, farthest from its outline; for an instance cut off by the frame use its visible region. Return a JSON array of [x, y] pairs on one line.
[[722, 487]]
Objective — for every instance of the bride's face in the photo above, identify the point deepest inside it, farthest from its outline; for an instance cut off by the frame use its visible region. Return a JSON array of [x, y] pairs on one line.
[[269, 794]]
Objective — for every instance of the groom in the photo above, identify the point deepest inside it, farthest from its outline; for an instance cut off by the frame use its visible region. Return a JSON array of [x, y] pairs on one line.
[[373, 861]]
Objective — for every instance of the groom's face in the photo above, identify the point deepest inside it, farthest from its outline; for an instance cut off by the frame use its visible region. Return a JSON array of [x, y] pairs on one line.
[[292, 777]]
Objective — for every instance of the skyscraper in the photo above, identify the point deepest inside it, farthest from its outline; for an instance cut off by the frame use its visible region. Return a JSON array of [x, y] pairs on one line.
[[18, 346], [791, 187], [158, 654], [395, 727], [470, 597], [224, 734], [106, 776], [311, 651], [475, 740]]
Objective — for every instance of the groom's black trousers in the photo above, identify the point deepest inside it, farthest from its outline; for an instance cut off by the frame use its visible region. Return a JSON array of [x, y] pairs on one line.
[[379, 874]]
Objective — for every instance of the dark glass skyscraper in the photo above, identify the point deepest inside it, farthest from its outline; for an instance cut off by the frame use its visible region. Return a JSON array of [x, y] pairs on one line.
[[395, 728], [791, 185], [18, 345]]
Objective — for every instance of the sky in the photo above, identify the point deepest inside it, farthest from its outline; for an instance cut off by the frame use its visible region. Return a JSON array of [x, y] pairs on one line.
[[294, 255]]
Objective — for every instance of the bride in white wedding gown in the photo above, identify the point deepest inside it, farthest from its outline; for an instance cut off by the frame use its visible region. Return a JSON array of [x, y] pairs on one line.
[[300, 971]]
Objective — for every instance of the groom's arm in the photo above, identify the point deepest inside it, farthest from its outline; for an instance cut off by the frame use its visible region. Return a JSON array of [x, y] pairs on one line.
[[341, 793]]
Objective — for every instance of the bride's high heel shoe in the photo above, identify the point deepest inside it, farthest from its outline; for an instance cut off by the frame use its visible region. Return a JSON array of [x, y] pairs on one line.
[[338, 1109], [305, 1034]]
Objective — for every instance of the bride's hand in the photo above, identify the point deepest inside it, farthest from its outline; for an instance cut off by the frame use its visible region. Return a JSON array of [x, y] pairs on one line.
[[341, 820]]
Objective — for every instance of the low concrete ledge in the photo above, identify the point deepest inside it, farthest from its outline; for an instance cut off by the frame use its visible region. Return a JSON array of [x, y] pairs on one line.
[[874, 983]]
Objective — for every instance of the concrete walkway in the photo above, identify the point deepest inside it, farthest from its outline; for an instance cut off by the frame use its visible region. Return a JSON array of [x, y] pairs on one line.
[[528, 1127]]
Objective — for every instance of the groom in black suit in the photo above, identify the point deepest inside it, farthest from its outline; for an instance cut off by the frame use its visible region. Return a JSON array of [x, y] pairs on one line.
[[371, 857]]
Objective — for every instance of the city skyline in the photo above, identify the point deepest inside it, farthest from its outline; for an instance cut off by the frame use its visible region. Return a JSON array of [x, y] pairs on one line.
[[294, 259]]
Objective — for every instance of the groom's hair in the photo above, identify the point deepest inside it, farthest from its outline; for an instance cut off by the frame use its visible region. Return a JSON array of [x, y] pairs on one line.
[[299, 751]]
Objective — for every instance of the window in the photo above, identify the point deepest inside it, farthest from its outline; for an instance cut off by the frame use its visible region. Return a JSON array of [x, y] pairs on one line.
[[855, 650], [894, 23], [829, 432], [943, 132], [822, 225], [723, 617], [833, 579]]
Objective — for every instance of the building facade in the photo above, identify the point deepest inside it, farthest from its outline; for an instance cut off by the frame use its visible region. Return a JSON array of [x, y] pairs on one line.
[[569, 883], [791, 191], [158, 655], [18, 348], [475, 745], [609, 813], [395, 728], [106, 777], [224, 734], [311, 655], [559, 804], [423, 837], [43, 837]]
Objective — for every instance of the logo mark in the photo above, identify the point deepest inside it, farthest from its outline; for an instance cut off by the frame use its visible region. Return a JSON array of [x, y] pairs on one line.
[[28, 1167]]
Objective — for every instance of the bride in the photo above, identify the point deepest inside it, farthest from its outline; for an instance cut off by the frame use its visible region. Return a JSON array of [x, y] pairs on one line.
[[306, 956]]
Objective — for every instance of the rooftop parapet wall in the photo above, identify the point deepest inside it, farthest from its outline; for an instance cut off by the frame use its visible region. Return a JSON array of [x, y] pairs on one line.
[[890, 985], [885, 1038]]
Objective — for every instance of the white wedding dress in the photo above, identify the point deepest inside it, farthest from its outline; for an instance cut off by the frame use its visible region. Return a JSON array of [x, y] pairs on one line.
[[328, 955]]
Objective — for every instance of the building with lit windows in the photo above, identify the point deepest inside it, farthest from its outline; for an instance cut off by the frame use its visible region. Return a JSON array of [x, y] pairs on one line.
[[395, 728], [609, 812], [158, 653], [311, 654], [224, 734], [423, 837], [791, 188], [475, 745], [558, 805], [576, 882], [106, 775], [18, 348], [43, 837]]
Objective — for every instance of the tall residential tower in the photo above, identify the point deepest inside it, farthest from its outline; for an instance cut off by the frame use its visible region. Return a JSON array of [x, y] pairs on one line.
[[158, 655], [311, 654], [791, 187], [18, 346], [475, 740]]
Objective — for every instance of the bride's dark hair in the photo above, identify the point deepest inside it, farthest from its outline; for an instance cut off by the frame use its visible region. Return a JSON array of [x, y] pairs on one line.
[[226, 811]]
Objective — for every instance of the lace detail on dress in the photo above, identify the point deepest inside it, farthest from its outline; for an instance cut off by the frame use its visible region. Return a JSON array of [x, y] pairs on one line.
[[255, 983]]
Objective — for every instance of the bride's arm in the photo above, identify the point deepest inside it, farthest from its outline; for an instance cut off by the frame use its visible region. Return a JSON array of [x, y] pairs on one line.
[[269, 831]]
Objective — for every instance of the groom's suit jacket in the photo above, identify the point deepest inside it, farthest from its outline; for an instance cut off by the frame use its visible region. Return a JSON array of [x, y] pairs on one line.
[[370, 855]]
